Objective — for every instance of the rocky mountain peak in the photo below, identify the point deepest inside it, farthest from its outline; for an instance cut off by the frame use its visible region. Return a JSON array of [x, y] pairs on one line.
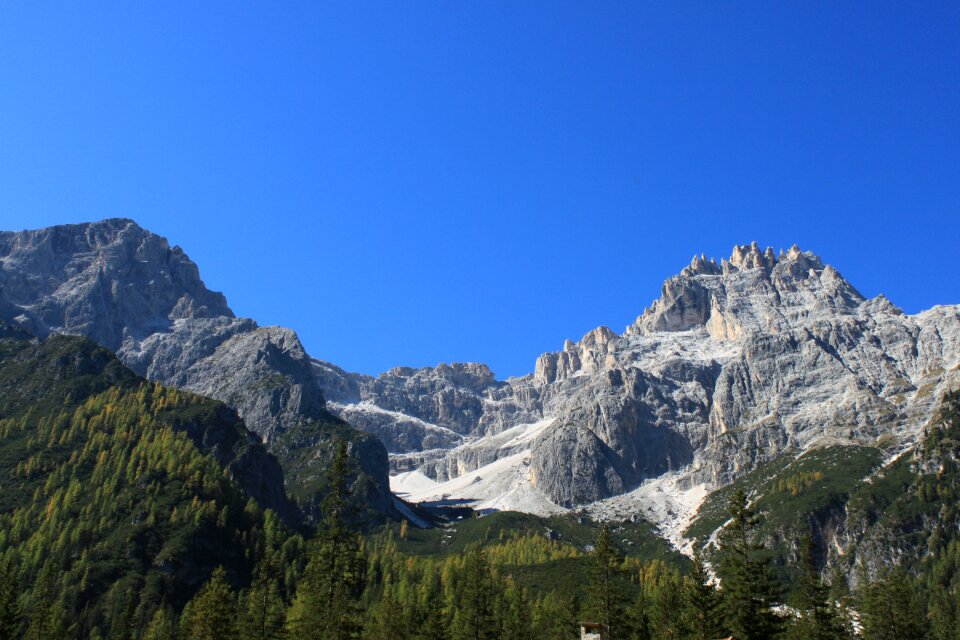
[[701, 266], [134, 293], [472, 375], [755, 290], [591, 355], [101, 279]]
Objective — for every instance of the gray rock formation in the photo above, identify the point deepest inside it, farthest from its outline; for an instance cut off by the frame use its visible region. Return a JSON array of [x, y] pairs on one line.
[[126, 288], [735, 364]]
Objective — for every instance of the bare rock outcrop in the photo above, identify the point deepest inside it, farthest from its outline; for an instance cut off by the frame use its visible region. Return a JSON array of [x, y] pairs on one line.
[[737, 363], [129, 290]]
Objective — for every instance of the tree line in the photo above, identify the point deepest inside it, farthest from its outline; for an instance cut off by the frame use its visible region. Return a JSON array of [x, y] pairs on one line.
[[114, 526], [340, 586]]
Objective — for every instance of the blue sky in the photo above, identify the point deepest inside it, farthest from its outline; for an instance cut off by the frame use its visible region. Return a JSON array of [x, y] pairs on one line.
[[414, 182]]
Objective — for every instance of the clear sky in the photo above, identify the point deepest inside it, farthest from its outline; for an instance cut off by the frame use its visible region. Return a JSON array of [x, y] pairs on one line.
[[417, 182]]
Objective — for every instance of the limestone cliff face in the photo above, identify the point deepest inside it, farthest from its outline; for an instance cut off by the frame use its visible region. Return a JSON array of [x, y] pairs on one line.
[[132, 292], [736, 363], [105, 280]]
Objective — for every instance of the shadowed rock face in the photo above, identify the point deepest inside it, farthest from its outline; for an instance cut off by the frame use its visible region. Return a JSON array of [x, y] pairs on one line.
[[126, 288], [104, 280], [735, 364]]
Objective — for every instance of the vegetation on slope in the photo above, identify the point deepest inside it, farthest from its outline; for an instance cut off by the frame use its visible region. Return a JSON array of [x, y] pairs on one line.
[[108, 508], [120, 520]]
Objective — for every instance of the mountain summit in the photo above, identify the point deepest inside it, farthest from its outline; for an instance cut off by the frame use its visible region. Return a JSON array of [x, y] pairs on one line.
[[129, 290], [738, 363]]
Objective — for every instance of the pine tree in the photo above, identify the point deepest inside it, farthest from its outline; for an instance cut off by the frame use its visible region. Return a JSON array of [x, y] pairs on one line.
[[9, 606], [701, 603], [515, 613], [327, 603], [434, 623], [46, 619], [557, 615], [818, 618], [263, 611], [474, 618], [161, 625], [211, 614], [389, 622], [666, 622], [891, 609], [749, 588], [606, 598]]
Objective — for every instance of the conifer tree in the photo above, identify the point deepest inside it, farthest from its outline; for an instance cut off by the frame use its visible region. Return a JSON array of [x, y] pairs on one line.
[[818, 618], [388, 623], [263, 612], [606, 596], [749, 588], [9, 605], [474, 618], [515, 613], [557, 615], [641, 624], [701, 603], [327, 603], [46, 618], [434, 623], [669, 623], [161, 625], [891, 609], [121, 612], [211, 614]]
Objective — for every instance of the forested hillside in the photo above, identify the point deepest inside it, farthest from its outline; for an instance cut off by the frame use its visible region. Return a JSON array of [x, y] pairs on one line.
[[118, 495], [124, 516]]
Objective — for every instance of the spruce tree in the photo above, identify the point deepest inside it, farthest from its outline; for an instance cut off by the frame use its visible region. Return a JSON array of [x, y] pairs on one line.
[[46, 617], [749, 588], [474, 618], [263, 612], [9, 605], [818, 618], [211, 614], [606, 596], [891, 609], [701, 603], [161, 626], [433, 626], [327, 603]]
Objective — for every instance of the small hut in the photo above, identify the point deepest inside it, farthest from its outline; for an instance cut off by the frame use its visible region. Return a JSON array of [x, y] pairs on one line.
[[592, 631]]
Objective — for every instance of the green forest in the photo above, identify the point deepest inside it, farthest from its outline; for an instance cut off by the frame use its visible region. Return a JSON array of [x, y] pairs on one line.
[[118, 522]]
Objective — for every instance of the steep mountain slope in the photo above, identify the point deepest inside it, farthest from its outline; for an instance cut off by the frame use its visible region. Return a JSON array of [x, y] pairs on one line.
[[735, 365], [865, 508], [126, 288], [120, 495]]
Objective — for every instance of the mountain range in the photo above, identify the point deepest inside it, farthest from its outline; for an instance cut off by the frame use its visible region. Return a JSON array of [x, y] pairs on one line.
[[760, 361]]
